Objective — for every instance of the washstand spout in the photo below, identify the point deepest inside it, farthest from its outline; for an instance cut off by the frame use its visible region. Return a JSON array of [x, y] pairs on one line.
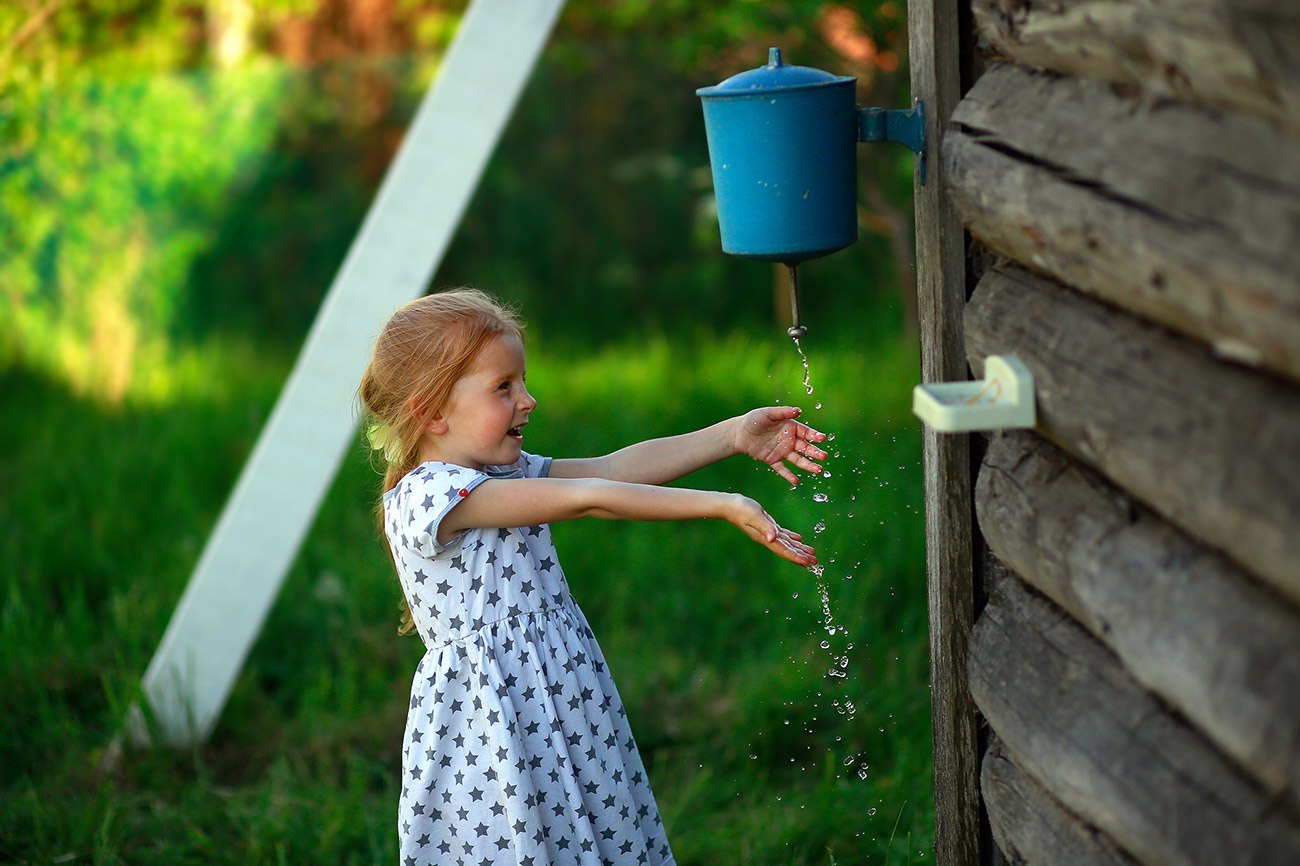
[[797, 331]]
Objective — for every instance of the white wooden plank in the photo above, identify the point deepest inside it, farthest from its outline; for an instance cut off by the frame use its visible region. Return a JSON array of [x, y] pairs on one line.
[[404, 236]]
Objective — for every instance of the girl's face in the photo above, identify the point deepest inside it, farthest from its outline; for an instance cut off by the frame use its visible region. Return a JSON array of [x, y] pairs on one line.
[[483, 423]]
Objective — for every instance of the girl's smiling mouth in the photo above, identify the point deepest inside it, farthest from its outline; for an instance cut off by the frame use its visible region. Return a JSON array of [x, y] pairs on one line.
[[516, 432]]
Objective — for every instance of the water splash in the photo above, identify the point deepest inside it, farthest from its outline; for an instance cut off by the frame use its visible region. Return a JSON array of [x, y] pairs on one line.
[[839, 662]]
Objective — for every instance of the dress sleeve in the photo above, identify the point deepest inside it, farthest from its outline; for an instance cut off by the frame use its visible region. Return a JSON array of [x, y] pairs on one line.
[[432, 496], [535, 466]]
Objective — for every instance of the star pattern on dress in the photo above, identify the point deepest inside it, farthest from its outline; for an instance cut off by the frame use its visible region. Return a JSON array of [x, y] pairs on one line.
[[517, 750]]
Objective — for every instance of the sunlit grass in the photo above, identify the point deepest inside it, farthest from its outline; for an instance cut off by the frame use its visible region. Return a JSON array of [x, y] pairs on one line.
[[715, 644]]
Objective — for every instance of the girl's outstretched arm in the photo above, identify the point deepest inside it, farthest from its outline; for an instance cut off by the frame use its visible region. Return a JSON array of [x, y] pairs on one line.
[[772, 435], [528, 501]]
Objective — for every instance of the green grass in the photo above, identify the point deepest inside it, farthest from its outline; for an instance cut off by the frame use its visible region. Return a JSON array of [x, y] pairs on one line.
[[715, 644]]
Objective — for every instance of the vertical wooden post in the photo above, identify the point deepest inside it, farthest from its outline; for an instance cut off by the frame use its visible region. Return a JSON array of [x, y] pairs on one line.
[[934, 42]]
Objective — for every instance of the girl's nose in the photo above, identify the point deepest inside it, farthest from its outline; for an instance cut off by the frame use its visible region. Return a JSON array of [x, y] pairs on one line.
[[528, 403]]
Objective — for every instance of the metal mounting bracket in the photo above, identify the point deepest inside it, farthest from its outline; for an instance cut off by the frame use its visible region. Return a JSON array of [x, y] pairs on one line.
[[905, 126]]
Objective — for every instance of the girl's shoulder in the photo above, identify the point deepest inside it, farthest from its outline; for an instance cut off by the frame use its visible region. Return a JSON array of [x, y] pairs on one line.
[[435, 474], [452, 478], [527, 466]]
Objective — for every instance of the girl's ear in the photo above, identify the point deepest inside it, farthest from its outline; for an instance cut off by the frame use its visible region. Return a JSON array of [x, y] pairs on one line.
[[435, 424]]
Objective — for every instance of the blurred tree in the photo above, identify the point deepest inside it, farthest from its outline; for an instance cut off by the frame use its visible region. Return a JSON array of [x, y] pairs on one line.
[[171, 168], [229, 30]]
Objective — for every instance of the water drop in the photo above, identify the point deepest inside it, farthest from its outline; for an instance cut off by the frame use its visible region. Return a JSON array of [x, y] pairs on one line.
[[820, 497], [872, 810], [826, 474], [820, 526], [848, 762]]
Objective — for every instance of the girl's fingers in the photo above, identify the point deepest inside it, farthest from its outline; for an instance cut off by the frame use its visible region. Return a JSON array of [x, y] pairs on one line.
[[802, 557], [800, 554], [781, 542], [810, 433], [785, 473], [808, 449], [803, 463], [792, 548], [786, 551]]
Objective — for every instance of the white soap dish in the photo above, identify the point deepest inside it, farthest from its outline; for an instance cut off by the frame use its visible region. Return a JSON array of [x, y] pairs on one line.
[[1002, 400]]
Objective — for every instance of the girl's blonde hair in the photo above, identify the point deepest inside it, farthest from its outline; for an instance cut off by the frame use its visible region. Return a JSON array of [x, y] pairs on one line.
[[426, 346]]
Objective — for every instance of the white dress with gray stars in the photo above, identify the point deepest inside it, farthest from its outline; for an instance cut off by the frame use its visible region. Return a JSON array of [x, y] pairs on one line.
[[517, 748]]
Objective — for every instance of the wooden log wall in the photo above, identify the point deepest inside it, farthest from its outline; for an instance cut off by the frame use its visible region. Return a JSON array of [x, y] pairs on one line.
[[1129, 172]]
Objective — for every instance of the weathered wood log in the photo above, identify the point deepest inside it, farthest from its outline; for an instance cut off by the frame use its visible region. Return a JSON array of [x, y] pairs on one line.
[[1186, 623], [1074, 720], [1187, 216], [1032, 828], [1213, 448], [1239, 55], [933, 28]]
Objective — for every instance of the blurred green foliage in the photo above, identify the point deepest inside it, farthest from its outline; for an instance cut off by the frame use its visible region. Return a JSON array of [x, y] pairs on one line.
[[152, 199], [106, 216]]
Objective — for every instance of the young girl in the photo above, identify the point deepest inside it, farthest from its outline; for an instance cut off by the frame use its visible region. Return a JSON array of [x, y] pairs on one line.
[[517, 748]]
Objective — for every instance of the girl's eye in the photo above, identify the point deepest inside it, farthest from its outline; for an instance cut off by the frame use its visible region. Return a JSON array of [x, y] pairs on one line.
[[504, 386]]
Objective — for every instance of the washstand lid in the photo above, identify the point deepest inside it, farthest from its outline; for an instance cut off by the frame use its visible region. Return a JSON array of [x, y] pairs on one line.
[[773, 78]]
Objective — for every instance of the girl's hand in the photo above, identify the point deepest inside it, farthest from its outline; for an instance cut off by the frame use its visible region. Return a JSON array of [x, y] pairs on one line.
[[774, 437], [759, 525]]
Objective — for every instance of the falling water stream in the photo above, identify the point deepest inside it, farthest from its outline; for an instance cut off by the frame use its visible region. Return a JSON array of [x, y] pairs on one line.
[[839, 661], [849, 757]]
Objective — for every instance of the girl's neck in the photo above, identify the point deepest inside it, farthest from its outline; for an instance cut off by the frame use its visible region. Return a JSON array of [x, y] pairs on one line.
[[430, 453]]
